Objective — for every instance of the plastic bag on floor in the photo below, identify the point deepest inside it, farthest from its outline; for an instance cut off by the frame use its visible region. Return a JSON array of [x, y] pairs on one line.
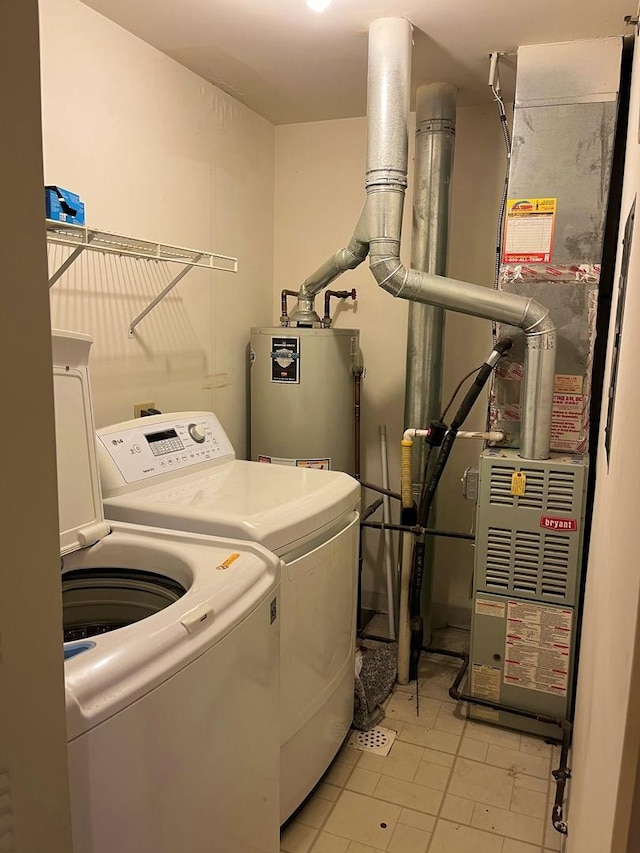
[[376, 671]]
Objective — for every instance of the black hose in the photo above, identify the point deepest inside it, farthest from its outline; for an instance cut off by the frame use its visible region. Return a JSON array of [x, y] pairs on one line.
[[417, 557]]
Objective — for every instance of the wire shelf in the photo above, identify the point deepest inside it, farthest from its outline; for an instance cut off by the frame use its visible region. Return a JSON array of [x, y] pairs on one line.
[[81, 236]]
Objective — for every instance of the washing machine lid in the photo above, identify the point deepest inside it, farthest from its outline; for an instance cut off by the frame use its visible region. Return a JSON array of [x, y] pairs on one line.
[[79, 498], [275, 505], [225, 580]]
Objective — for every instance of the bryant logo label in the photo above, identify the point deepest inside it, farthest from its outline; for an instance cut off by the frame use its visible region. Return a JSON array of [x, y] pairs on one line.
[[549, 522]]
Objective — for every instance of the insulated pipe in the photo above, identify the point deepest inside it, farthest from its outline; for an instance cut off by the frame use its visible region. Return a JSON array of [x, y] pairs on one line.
[[404, 632], [435, 136]]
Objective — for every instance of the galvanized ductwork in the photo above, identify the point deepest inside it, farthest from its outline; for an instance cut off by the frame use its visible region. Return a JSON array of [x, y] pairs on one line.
[[379, 228], [433, 168]]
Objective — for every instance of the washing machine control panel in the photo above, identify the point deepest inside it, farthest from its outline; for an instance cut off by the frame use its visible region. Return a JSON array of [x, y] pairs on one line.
[[149, 447]]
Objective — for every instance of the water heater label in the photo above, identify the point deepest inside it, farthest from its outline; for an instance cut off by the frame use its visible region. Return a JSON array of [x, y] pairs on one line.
[[538, 647], [285, 360]]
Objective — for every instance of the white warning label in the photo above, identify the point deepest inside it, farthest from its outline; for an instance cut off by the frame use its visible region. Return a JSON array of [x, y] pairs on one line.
[[485, 682], [484, 607], [538, 646]]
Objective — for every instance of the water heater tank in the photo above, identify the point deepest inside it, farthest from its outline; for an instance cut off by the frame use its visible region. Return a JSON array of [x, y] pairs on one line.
[[302, 396]]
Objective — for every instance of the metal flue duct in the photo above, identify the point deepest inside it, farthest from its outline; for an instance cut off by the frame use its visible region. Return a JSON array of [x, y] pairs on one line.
[[378, 235]]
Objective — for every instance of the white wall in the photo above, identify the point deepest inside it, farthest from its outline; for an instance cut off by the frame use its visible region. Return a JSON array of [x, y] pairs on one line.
[[34, 798], [158, 153], [319, 194], [607, 725]]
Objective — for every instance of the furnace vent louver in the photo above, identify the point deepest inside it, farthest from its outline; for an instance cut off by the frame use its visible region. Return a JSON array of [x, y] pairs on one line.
[[528, 563], [548, 491], [517, 553]]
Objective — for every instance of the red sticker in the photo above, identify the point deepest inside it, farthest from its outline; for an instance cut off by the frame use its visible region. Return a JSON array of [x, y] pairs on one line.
[[552, 522]]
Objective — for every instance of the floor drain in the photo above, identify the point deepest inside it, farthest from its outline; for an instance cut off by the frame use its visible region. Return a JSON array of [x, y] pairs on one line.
[[377, 740]]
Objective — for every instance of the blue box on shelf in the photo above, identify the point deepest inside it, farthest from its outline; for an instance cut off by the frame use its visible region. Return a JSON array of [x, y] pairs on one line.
[[63, 206]]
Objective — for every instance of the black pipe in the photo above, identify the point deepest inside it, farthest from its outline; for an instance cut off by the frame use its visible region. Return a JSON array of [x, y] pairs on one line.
[[380, 490], [562, 774], [419, 531], [357, 379], [417, 557], [370, 510]]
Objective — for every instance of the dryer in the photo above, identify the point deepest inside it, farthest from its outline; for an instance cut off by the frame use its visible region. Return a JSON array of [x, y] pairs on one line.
[[179, 471], [171, 666]]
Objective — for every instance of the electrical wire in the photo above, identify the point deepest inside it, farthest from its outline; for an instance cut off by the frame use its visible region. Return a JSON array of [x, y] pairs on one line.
[[502, 112], [458, 387]]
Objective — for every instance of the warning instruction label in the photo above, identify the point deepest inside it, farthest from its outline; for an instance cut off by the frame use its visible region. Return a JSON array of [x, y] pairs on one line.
[[538, 646], [320, 464], [285, 360], [485, 682], [529, 230], [484, 607]]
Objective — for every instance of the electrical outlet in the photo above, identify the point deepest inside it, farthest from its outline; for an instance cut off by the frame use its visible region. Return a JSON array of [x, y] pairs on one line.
[[138, 407]]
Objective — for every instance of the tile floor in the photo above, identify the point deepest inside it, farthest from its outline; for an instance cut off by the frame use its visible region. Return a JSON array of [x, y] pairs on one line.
[[448, 785]]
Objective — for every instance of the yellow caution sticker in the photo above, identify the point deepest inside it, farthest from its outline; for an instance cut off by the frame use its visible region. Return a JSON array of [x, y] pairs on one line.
[[518, 483], [228, 562]]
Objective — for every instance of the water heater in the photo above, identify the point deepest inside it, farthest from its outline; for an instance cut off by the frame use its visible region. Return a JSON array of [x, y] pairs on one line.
[[302, 396]]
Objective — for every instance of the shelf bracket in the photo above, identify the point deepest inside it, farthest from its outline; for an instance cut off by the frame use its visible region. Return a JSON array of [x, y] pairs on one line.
[[80, 238], [161, 296], [64, 266]]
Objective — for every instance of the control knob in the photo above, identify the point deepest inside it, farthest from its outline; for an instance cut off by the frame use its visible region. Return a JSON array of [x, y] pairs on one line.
[[197, 432]]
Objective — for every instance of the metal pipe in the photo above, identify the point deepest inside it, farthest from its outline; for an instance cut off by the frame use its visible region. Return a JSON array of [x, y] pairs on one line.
[[338, 294], [379, 229], [418, 530], [380, 490], [284, 316], [357, 378], [435, 137], [369, 511], [509, 308], [388, 539]]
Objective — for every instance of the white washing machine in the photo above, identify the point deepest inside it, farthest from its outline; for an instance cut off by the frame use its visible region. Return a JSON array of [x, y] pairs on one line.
[[171, 666], [179, 471]]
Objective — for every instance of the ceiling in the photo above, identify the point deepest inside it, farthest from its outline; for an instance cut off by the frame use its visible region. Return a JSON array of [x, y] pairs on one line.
[[293, 65]]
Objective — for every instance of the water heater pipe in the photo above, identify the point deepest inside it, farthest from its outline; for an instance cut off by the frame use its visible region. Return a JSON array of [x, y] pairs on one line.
[[379, 228]]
